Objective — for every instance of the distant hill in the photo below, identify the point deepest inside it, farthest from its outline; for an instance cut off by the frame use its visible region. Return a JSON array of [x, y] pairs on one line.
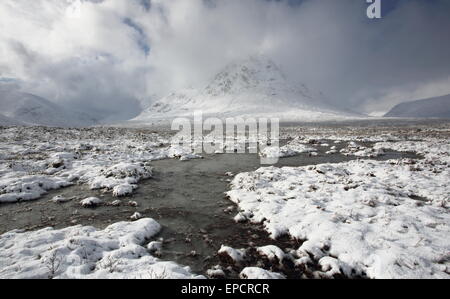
[[438, 107], [18, 108], [8, 122]]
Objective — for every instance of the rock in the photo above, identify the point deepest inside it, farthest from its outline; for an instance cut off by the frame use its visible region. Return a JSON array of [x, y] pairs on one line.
[[123, 190], [230, 255], [132, 203], [258, 273], [116, 203], [239, 218], [216, 273], [155, 246], [91, 202], [60, 199]]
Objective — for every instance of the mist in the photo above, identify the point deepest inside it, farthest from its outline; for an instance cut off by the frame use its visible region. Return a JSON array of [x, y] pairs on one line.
[[111, 58]]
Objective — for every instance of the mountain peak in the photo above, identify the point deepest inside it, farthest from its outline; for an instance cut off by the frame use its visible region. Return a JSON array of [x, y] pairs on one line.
[[242, 75], [251, 86]]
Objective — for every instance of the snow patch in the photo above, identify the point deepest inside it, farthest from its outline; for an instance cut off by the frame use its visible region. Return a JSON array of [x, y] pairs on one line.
[[384, 219], [85, 252]]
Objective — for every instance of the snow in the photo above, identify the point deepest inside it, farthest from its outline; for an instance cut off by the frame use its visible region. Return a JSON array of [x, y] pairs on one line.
[[154, 246], [432, 107], [293, 148], [215, 273], [35, 160], [253, 87], [121, 178], [61, 199], [435, 151], [272, 252], [20, 108], [85, 252], [240, 218], [383, 219], [236, 255], [184, 153], [28, 187], [123, 190], [361, 151], [136, 216], [258, 273], [91, 202], [116, 203]]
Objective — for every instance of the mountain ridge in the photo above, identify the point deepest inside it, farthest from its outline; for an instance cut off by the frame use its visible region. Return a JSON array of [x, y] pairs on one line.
[[436, 107], [22, 108]]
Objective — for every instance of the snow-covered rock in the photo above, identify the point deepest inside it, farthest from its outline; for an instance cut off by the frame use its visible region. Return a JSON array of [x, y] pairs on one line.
[[154, 246], [136, 216], [215, 273], [91, 202], [234, 255], [258, 273], [240, 217], [272, 253], [123, 190]]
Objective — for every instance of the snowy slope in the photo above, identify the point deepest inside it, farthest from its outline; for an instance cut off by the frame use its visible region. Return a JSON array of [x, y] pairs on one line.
[[9, 122], [434, 107], [30, 109], [255, 86]]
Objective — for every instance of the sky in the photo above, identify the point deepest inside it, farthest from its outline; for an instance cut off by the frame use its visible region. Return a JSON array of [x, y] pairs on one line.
[[109, 56]]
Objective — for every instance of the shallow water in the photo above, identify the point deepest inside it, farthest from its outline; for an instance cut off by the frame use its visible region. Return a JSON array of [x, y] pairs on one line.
[[186, 198]]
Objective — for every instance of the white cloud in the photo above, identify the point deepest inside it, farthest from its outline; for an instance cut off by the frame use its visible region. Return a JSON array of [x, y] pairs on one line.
[[412, 92], [107, 55]]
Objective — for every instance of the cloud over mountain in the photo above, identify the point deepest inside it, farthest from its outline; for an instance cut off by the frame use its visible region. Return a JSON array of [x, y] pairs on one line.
[[106, 57]]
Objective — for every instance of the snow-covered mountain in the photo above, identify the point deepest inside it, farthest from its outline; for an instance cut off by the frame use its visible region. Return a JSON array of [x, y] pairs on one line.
[[19, 108], [255, 86], [438, 107]]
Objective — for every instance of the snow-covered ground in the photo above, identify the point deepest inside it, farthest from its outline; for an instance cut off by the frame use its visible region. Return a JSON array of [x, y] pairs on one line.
[[380, 219], [85, 252], [293, 148], [35, 160], [360, 218]]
